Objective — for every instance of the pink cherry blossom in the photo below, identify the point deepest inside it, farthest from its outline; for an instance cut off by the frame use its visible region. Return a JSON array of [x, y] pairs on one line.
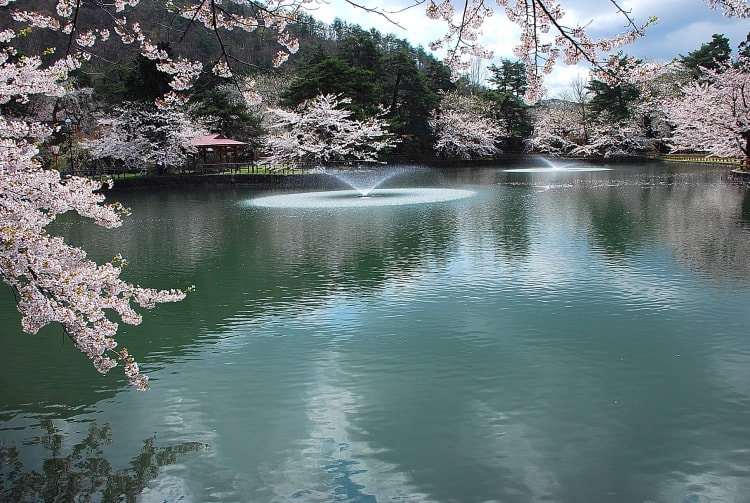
[[713, 115], [462, 130], [320, 130]]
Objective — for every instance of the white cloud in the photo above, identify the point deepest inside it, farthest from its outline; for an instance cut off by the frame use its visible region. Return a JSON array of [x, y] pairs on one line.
[[560, 80], [502, 37], [410, 24]]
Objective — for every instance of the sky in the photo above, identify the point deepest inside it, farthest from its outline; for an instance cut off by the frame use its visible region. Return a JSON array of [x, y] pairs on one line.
[[682, 26]]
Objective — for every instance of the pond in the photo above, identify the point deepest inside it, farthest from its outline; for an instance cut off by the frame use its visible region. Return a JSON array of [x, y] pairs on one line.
[[506, 333]]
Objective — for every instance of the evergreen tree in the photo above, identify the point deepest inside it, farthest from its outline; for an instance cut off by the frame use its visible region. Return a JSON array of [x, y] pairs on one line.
[[711, 56], [612, 100], [437, 75], [144, 82], [744, 48], [230, 115], [509, 77], [337, 77], [409, 99], [507, 101], [359, 49], [213, 101]]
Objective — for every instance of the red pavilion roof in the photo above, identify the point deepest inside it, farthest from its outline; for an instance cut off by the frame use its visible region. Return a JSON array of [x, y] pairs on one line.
[[215, 140]]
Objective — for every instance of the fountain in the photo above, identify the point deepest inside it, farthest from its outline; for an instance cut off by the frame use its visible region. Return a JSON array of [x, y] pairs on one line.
[[555, 167], [365, 189], [364, 179]]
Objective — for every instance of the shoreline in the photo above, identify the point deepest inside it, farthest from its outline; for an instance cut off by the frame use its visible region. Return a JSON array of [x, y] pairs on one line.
[[291, 181], [319, 181]]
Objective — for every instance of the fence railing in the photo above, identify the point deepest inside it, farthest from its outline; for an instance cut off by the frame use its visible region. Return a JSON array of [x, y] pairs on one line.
[[742, 163]]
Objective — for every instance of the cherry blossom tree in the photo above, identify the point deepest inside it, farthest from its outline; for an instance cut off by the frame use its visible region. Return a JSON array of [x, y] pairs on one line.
[[623, 138], [462, 130], [321, 130], [615, 125], [713, 114], [141, 135], [632, 124], [558, 128]]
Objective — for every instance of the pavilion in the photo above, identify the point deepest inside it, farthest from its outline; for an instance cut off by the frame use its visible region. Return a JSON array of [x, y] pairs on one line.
[[217, 153]]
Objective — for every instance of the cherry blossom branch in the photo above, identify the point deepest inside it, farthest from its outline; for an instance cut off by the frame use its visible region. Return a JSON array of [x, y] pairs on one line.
[[74, 22], [385, 14], [731, 8]]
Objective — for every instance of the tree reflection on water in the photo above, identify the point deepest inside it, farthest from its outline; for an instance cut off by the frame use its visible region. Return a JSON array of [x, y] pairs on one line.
[[85, 474]]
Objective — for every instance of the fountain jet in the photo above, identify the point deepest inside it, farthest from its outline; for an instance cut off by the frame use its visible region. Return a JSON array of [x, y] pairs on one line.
[[550, 166], [364, 178]]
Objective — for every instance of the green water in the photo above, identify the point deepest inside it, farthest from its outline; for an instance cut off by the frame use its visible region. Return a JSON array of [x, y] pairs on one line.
[[565, 336]]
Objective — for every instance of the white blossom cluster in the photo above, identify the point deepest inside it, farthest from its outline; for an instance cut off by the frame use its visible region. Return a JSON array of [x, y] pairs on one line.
[[615, 139], [731, 8], [320, 131], [620, 68], [273, 15], [462, 130], [462, 36], [713, 115], [568, 126], [543, 40], [26, 77], [55, 282], [558, 129], [138, 135]]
